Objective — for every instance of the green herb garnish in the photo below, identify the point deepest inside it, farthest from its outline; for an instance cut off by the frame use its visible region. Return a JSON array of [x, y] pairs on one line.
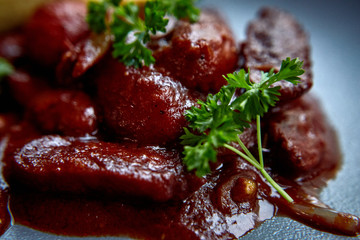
[[5, 68], [130, 31], [223, 116]]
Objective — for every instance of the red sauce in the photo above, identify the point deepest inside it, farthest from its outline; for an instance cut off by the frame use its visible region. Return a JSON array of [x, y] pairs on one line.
[[118, 172], [219, 209], [4, 212]]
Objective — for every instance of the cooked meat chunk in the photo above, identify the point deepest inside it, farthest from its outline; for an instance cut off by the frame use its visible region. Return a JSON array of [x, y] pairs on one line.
[[274, 36], [142, 104], [199, 54], [82, 57], [24, 86], [54, 29], [216, 203], [57, 164], [68, 112], [300, 132]]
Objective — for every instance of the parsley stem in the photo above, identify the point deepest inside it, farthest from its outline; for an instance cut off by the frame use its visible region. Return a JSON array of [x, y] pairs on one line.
[[246, 150], [251, 159], [277, 187], [280, 190], [243, 155], [258, 130]]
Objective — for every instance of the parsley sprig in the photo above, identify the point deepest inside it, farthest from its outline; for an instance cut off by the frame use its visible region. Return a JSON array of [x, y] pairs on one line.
[[223, 116], [5, 69], [130, 31]]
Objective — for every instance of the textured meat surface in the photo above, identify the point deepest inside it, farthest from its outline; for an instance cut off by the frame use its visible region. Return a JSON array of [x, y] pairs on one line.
[[68, 112], [54, 29], [199, 54], [142, 104], [272, 37], [24, 86], [82, 57], [301, 132], [53, 163]]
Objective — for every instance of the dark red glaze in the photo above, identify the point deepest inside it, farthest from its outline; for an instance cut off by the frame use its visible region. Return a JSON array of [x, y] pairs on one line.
[[126, 177], [24, 86], [299, 134], [142, 104], [234, 199], [4, 211], [194, 218], [67, 112], [78, 60], [57, 164], [54, 29], [6, 122], [272, 37], [199, 54]]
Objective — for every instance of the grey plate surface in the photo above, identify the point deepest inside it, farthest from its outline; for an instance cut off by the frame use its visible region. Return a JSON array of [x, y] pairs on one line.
[[334, 29]]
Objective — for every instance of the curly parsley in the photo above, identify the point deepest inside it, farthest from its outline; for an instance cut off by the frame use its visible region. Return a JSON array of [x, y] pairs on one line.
[[130, 31], [222, 117]]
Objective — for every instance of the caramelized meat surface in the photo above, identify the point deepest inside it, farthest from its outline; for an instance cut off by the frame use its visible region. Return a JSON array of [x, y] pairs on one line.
[[199, 54], [24, 86], [116, 166], [142, 104], [71, 113], [63, 164], [83, 56], [54, 29], [274, 36], [299, 131]]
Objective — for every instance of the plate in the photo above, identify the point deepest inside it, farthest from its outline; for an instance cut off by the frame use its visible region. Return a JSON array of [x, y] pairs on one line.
[[334, 31]]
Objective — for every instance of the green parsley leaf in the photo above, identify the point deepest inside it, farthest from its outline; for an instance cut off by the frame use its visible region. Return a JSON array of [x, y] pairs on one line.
[[201, 151], [5, 68], [224, 116], [259, 97], [131, 32], [183, 9], [96, 16], [155, 17], [130, 52]]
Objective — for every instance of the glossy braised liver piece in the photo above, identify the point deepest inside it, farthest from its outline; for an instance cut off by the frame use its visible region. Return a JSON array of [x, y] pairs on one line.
[[199, 54], [272, 37], [216, 212], [68, 112], [87, 187], [83, 56], [54, 29], [142, 104], [63, 164], [24, 86], [300, 133]]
